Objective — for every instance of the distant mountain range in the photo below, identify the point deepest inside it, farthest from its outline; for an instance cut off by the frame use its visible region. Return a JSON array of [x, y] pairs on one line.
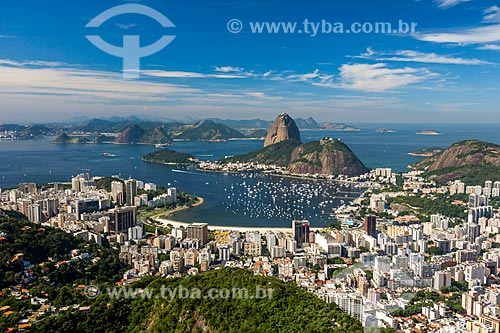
[[132, 129], [303, 124], [148, 132], [208, 130]]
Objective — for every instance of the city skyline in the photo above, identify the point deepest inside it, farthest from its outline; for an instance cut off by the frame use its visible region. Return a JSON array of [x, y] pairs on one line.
[[446, 71]]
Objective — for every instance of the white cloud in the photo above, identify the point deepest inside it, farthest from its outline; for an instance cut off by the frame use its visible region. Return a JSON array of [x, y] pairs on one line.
[[489, 47], [228, 69], [377, 77], [181, 74], [81, 85], [315, 76], [480, 35], [492, 14], [449, 3], [33, 63], [416, 56]]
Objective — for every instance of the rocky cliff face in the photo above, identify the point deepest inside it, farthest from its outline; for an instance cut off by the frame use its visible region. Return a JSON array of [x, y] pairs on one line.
[[467, 153], [326, 157], [471, 161], [282, 129]]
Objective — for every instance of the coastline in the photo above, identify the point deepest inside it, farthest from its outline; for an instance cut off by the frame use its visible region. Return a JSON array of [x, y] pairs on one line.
[[177, 224], [158, 216]]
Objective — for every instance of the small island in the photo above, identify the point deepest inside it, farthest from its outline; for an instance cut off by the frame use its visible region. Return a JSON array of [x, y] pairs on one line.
[[385, 130], [426, 152], [169, 157], [339, 127], [428, 132], [66, 139]]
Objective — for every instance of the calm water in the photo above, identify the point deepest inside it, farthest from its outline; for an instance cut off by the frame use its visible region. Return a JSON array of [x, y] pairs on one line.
[[231, 199]]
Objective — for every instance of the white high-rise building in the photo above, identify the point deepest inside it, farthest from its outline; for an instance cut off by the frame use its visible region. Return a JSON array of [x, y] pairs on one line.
[[117, 192], [441, 279]]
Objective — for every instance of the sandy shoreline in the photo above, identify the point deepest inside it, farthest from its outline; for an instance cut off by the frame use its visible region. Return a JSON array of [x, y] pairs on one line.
[[178, 224]]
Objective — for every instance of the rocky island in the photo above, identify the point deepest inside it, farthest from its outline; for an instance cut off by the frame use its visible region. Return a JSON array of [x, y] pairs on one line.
[[428, 132], [385, 130]]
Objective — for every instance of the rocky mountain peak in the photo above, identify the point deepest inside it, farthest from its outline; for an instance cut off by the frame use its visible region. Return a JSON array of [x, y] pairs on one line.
[[282, 129]]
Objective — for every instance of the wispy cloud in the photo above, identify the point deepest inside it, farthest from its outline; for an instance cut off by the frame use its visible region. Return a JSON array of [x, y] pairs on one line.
[[377, 77], [490, 47], [82, 85], [7, 36], [479, 35], [456, 107], [34, 63], [228, 69], [492, 14], [420, 57], [449, 3], [181, 74]]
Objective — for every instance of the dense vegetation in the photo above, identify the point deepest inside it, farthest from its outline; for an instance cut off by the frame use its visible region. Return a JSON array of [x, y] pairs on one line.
[[30, 250], [105, 182], [470, 174], [38, 259], [289, 309], [277, 154], [424, 207], [423, 298], [66, 139], [169, 156], [427, 152]]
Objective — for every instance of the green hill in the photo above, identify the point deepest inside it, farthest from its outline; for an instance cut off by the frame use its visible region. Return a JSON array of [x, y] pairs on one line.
[[289, 308], [167, 156], [66, 139], [327, 157], [38, 259], [277, 154]]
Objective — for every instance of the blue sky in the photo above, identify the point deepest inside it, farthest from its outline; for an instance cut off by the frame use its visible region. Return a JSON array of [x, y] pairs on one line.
[[447, 71]]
